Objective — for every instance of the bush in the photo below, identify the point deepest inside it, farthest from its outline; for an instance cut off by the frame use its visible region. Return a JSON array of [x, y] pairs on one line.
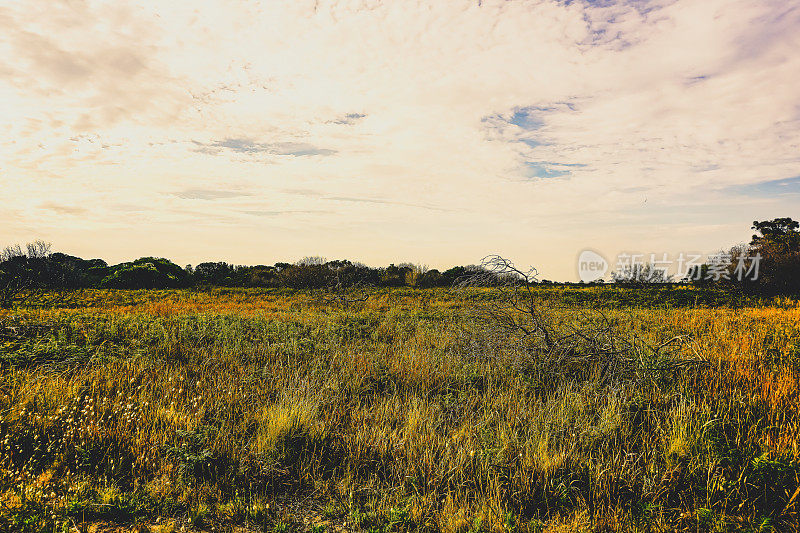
[[146, 273], [24, 274]]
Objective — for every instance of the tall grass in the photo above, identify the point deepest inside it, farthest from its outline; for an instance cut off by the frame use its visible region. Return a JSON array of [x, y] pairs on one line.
[[402, 412]]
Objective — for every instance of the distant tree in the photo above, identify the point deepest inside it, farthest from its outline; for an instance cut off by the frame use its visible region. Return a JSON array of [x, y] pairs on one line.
[[348, 274], [430, 278], [698, 275], [146, 273], [70, 272], [640, 274], [413, 273], [312, 260], [395, 276], [781, 233], [220, 274], [306, 276], [261, 276], [777, 247], [455, 274], [24, 273]]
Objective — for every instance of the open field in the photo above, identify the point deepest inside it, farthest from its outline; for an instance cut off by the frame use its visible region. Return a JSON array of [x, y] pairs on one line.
[[412, 410]]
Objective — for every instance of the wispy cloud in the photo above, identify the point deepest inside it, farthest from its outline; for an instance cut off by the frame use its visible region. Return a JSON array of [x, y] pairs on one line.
[[349, 119], [248, 146], [317, 195], [268, 213], [543, 171], [381, 202], [302, 192], [529, 118], [64, 209], [768, 189], [209, 194]]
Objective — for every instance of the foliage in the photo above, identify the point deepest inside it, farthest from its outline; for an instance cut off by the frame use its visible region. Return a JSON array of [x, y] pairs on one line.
[[145, 273], [778, 244], [415, 410], [22, 273], [24, 276]]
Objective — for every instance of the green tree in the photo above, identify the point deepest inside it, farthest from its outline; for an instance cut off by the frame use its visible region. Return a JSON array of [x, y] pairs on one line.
[[780, 233], [24, 273], [777, 246], [146, 273]]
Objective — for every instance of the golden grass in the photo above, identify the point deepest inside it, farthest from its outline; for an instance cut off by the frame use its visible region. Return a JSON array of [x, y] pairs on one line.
[[398, 413]]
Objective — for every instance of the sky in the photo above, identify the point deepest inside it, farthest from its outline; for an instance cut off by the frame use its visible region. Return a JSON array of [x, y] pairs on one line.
[[397, 131]]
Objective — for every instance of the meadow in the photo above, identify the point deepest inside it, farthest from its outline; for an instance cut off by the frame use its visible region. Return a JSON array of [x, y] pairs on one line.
[[591, 409]]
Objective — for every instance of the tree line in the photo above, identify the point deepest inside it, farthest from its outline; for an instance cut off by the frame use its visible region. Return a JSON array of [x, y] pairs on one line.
[[35, 269]]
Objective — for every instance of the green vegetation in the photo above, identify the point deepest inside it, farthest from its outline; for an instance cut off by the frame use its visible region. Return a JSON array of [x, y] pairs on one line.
[[145, 273], [430, 410]]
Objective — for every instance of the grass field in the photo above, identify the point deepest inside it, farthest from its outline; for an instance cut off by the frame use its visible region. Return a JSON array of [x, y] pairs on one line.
[[412, 410]]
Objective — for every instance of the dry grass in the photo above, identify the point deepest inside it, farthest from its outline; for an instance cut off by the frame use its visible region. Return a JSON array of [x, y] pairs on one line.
[[402, 412]]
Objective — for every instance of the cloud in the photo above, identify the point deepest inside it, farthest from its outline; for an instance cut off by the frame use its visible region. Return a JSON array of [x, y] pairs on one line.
[[247, 146], [529, 118], [769, 189], [543, 171], [60, 74], [64, 209], [317, 195], [209, 194], [302, 192], [381, 202], [266, 213], [349, 119]]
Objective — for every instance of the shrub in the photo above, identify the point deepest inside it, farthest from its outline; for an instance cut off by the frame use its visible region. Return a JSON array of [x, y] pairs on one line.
[[146, 273]]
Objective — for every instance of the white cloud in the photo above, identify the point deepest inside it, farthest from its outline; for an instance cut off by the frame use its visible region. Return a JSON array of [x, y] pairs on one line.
[[642, 116]]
